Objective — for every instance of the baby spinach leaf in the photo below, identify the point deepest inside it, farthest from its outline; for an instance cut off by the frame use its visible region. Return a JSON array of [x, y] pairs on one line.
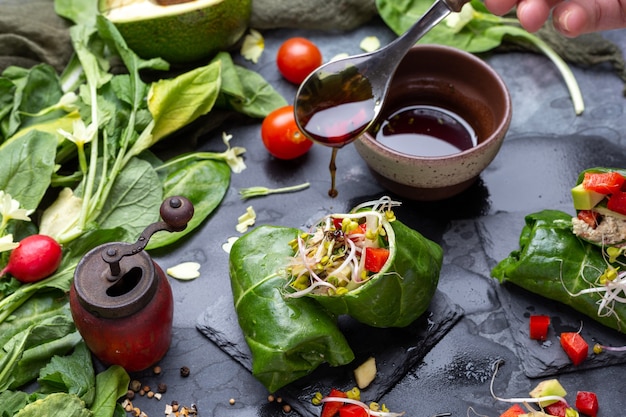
[[245, 91], [134, 199], [176, 102], [204, 182], [27, 166], [111, 384]]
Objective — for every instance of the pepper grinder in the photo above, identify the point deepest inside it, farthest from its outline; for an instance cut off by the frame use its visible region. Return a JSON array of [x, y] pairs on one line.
[[121, 300]]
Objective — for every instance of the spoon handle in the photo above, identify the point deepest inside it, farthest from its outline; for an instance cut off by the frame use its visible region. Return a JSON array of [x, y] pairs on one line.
[[435, 14]]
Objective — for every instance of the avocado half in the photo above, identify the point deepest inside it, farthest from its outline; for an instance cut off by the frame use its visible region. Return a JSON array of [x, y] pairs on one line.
[[178, 31]]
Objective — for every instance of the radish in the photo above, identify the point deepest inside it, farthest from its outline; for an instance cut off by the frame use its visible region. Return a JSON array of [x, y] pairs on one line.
[[36, 258]]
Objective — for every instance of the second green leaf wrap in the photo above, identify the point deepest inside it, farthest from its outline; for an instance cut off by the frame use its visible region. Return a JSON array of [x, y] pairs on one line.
[[291, 337]]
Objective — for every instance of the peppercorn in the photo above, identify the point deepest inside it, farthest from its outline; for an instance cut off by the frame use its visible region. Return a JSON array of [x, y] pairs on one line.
[[150, 394], [286, 408], [185, 371], [231, 401], [130, 394], [162, 387], [146, 388], [157, 370], [135, 385]]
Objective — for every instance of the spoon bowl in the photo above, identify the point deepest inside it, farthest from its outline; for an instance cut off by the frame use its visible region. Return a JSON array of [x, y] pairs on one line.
[[339, 101]]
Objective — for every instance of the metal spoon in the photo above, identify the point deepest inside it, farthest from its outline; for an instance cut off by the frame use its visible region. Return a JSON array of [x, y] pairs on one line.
[[338, 101]]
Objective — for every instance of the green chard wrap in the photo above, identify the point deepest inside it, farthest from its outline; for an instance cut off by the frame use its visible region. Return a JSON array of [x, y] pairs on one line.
[[368, 265], [288, 337], [365, 264], [553, 262]]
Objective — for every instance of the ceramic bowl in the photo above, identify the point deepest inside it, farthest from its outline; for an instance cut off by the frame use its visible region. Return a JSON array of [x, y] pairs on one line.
[[450, 80]]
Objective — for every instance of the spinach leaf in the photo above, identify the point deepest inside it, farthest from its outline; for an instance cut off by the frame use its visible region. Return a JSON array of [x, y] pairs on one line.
[[246, 91], [54, 405], [73, 374], [11, 355], [553, 263], [203, 181], [134, 200], [288, 337], [111, 384], [177, 102], [27, 166], [12, 401]]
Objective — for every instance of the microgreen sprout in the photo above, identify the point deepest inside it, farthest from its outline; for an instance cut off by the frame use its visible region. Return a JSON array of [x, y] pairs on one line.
[[251, 192], [524, 400], [599, 348], [330, 259]]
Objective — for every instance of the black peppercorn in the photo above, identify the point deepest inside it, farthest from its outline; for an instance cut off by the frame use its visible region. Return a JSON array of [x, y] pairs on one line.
[[185, 371]]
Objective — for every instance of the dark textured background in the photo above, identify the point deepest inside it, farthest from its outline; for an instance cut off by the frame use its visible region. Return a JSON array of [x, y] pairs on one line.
[[546, 147]]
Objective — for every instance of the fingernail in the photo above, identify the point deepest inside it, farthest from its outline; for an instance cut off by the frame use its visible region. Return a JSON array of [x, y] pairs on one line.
[[563, 20]]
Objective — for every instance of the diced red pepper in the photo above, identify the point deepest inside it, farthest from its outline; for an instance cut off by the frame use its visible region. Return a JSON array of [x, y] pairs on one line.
[[603, 182], [589, 216], [557, 409], [352, 410], [375, 258], [331, 408], [513, 411], [617, 202], [587, 403], [539, 326], [575, 346]]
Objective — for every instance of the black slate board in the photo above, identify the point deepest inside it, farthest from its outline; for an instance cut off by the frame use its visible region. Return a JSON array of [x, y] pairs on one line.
[[558, 160], [396, 350]]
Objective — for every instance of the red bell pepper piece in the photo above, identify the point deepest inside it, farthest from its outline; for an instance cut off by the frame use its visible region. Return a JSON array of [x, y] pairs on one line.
[[513, 411], [557, 409], [603, 182], [575, 346], [375, 258], [539, 325], [589, 216], [587, 403], [617, 202], [331, 408], [352, 410]]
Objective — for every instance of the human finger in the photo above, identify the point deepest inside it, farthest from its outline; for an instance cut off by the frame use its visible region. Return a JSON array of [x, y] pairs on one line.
[[500, 7], [577, 17], [532, 14]]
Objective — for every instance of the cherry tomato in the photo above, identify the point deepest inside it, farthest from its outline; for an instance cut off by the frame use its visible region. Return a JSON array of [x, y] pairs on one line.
[[297, 58], [281, 135]]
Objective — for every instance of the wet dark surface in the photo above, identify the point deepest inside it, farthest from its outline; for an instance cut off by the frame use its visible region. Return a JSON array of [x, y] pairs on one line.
[[545, 149]]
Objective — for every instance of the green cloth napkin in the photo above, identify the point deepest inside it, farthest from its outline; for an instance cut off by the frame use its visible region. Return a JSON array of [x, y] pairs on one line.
[[32, 33]]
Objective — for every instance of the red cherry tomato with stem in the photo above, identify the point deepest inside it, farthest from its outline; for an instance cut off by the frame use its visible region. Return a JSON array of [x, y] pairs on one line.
[[297, 58], [281, 135]]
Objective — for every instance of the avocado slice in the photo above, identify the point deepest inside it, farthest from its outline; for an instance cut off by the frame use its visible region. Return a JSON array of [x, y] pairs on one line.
[[548, 388], [585, 199]]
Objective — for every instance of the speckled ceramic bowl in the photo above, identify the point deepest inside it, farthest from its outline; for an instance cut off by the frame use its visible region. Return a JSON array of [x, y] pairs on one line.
[[450, 79]]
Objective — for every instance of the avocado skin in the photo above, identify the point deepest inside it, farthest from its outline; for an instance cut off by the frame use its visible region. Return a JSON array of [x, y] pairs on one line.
[[189, 37]]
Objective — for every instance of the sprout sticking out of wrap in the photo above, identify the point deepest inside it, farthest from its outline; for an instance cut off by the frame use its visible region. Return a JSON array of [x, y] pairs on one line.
[[366, 264]]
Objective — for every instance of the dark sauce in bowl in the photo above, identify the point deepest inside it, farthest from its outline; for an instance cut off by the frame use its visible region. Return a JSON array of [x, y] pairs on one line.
[[427, 131]]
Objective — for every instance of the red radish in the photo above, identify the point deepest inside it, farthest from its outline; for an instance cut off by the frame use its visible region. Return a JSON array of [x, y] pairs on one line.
[[36, 258]]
